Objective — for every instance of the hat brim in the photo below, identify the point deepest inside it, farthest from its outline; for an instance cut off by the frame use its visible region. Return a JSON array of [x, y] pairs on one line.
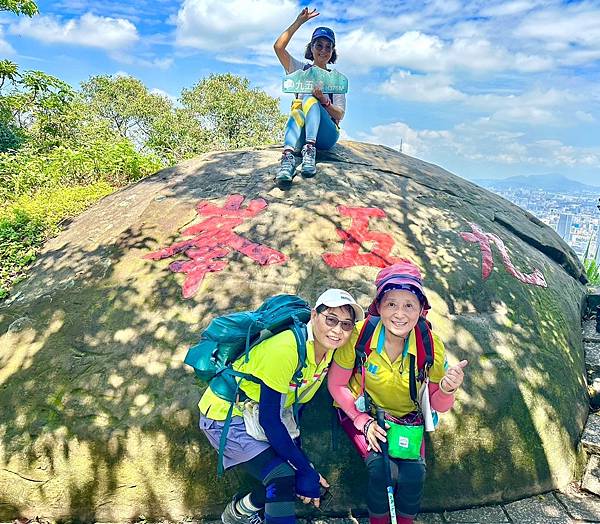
[[373, 310], [359, 313], [322, 36]]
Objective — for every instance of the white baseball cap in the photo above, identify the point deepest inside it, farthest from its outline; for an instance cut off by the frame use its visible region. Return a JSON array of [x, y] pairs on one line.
[[339, 297]]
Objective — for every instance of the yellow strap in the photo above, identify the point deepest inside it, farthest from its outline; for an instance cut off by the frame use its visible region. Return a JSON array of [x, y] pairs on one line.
[[308, 103], [298, 117]]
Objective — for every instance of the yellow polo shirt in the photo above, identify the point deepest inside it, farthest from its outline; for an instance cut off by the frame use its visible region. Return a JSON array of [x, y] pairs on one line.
[[274, 361], [386, 382]]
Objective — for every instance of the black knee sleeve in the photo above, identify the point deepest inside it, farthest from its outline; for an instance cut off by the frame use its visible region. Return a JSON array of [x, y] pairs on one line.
[[377, 500], [280, 484]]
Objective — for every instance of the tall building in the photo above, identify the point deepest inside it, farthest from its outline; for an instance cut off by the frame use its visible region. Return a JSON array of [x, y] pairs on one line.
[[597, 257], [564, 226]]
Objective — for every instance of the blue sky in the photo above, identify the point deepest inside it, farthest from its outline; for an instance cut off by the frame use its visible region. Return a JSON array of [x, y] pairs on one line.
[[485, 89]]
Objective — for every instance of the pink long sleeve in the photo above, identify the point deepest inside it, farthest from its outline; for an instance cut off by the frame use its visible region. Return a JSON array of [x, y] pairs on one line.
[[337, 383], [439, 400]]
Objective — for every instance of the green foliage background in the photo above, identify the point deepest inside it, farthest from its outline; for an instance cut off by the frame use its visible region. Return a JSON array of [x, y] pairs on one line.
[[62, 149], [592, 271]]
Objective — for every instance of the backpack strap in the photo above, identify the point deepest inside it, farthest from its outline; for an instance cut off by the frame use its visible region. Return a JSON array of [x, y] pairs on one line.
[[300, 334], [425, 351], [425, 356], [224, 433], [362, 348]]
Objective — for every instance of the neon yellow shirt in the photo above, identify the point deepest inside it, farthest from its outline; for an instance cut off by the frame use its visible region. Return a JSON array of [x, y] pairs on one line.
[[386, 382], [274, 361]]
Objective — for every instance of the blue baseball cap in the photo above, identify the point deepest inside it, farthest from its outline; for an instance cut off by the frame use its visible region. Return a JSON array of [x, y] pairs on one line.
[[323, 32]]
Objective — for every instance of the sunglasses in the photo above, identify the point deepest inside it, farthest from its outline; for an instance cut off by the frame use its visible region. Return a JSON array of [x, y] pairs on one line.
[[320, 47], [331, 321]]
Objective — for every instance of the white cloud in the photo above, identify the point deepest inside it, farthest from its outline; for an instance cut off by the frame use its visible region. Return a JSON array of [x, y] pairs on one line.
[[400, 136], [161, 64], [508, 8], [575, 24], [162, 93], [272, 87], [5, 48], [423, 52], [412, 50], [215, 25], [89, 30], [422, 88], [122, 74], [481, 142], [583, 116]]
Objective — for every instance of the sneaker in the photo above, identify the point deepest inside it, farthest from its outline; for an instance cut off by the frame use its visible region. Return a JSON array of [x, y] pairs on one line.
[[309, 153], [231, 516], [287, 170]]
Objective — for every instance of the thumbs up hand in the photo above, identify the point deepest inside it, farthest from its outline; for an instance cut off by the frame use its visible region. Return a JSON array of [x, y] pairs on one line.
[[453, 378]]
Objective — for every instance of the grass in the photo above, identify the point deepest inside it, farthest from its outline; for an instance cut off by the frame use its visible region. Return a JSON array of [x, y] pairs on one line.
[[30, 220]]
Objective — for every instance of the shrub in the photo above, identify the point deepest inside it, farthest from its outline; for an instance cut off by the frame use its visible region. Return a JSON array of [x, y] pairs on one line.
[[592, 272], [116, 163], [29, 221]]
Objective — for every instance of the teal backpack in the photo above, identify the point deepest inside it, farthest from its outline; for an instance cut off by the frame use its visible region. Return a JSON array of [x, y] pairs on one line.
[[232, 336]]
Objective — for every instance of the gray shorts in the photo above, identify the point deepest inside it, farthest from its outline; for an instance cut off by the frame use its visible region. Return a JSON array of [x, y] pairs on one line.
[[239, 447]]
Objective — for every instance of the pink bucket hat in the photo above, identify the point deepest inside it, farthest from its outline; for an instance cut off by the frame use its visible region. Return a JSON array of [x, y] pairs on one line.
[[402, 275]]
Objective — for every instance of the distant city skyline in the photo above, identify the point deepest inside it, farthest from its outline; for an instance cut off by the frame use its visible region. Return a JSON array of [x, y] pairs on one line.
[[574, 217], [483, 89]]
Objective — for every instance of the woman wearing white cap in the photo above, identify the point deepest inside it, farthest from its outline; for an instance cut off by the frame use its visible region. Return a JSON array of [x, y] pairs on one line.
[[395, 364], [278, 462], [314, 119]]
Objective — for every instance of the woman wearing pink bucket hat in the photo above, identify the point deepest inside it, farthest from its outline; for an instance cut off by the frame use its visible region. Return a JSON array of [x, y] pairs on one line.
[[394, 367]]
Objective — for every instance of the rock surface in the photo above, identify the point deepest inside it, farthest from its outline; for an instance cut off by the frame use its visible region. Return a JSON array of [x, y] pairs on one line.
[[97, 413]]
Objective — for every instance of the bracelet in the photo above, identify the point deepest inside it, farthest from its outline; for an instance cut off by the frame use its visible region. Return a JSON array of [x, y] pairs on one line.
[[444, 390], [367, 426]]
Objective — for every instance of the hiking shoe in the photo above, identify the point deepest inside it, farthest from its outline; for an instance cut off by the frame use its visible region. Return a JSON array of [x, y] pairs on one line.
[[309, 153], [286, 171], [231, 516]]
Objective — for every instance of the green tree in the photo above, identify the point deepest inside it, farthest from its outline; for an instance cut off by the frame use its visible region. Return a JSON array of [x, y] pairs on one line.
[[32, 103], [10, 137], [177, 136], [19, 7], [233, 114], [126, 105]]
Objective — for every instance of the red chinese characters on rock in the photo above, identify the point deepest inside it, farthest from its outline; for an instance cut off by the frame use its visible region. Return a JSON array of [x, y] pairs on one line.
[[214, 239], [355, 238], [485, 240]]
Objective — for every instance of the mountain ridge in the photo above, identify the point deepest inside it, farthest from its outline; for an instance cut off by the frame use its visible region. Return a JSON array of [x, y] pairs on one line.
[[551, 182]]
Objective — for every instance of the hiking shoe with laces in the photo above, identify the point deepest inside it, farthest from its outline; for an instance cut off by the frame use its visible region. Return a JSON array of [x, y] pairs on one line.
[[309, 153], [286, 171], [231, 516]]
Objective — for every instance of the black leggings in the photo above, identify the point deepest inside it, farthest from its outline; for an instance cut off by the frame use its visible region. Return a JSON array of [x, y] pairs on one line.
[[278, 491], [408, 477]]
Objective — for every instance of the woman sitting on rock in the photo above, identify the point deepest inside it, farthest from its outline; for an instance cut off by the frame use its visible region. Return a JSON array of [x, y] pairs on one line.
[[384, 381], [280, 465], [314, 119]]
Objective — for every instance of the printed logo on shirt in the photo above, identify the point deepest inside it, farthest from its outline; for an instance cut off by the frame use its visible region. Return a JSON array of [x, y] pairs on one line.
[[372, 368], [315, 378]]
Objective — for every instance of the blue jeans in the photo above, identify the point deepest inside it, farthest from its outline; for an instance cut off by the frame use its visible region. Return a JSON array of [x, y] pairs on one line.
[[310, 122]]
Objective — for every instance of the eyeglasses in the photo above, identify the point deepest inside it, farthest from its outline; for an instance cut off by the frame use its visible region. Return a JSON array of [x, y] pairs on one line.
[[319, 47], [331, 321]]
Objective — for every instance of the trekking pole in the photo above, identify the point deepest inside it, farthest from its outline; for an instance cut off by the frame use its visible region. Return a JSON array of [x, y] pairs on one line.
[[388, 471]]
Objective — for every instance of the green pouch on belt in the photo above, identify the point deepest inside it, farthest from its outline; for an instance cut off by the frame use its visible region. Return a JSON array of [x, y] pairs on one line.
[[404, 442]]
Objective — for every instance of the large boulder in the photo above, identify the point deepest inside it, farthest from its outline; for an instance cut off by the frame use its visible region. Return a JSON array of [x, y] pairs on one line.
[[98, 413]]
